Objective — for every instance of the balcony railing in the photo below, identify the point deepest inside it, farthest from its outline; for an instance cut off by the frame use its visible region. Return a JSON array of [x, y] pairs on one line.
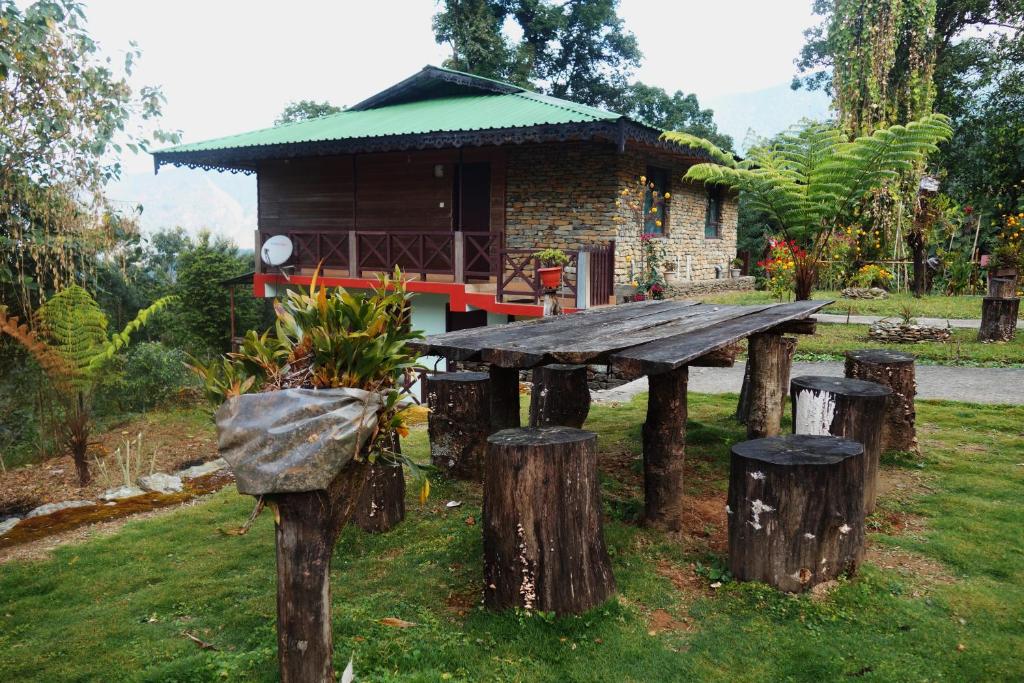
[[464, 256]]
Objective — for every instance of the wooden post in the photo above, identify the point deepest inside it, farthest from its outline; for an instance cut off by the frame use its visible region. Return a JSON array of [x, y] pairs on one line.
[[852, 408], [382, 504], [560, 396], [664, 444], [504, 392], [895, 370], [353, 252], [459, 422], [796, 511], [459, 254], [998, 319], [307, 527], [766, 356], [543, 537], [785, 367]]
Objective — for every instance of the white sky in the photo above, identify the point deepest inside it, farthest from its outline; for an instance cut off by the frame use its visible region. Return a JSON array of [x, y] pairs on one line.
[[228, 66]]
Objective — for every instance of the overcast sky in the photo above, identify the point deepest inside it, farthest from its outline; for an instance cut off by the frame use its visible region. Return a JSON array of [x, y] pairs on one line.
[[228, 66]]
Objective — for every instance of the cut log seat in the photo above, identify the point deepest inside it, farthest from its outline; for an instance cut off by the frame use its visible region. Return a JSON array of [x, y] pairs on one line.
[[893, 369], [560, 396], [459, 422]]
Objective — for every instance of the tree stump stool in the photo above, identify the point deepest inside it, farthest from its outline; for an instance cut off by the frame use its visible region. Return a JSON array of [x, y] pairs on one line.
[[560, 396], [785, 366], [1002, 287], [382, 504], [543, 538], [998, 319], [504, 397], [839, 406], [459, 422], [769, 362], [796, 510], [895, 370]]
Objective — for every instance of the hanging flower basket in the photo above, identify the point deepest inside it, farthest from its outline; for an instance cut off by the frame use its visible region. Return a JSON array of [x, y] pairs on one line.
[[550, 277]]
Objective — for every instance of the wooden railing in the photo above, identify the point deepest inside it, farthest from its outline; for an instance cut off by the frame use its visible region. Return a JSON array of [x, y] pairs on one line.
[[594, 265]]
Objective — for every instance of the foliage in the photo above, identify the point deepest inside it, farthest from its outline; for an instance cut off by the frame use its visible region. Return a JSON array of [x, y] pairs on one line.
[[647, 209], [1009, 250], [678, 112], [811, 178], [152, 374], [650, 282], [552, 257], [873, 275], [64, 115], [127, 464], [688, 140], [304, 110], [780, 266]]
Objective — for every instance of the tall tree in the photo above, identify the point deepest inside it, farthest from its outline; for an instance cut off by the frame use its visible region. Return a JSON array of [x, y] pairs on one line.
[[678, 112], [303, 110]]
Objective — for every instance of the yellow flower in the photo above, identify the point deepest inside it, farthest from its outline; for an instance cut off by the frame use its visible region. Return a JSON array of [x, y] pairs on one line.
[[654, 209], [643, 179], [657, 223], [403, 431], [668, 195]]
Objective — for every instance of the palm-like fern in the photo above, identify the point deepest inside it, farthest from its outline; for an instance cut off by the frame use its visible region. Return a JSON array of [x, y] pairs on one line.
[[812, 177]]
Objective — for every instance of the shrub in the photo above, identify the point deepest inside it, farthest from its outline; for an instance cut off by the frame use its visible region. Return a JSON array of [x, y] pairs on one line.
[[154, 373], [872, 275]]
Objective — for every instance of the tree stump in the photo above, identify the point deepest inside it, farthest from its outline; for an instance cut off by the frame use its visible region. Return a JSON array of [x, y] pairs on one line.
[[459, 422], [796, 511], [382, 505], [504, 391], [560, 396], [1002, 287], [664, 443], [998, 319], [785, 366], [767, 358], [895, 370], [839, 406], [307, 527], [543, 538]]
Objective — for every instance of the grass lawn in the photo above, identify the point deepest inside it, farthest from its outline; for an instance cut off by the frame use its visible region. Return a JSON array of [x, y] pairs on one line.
[[941, 596], [831, 341], [932, 306]]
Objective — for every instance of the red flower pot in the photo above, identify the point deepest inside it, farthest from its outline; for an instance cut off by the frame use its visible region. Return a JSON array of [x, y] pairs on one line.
[[550, 277]]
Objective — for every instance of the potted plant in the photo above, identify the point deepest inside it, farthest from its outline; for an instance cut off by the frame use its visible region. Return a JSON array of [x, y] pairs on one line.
[[736, 267], [552, 262]]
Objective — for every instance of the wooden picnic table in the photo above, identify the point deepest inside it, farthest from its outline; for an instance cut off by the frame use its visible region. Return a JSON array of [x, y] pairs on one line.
[[660, 339]]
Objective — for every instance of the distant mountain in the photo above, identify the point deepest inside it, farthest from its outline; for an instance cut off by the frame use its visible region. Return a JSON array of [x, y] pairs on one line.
[[763, 113], [193, 199]]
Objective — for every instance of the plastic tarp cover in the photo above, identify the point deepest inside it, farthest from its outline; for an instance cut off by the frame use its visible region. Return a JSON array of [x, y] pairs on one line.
[[294, 440]]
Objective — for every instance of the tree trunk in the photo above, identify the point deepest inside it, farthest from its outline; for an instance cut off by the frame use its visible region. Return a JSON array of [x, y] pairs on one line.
[[543, 537], [1002, 287], [916, 242], [307, 527], [785, 367], [560, 396], [767, 355], [664, 444], [852, 408], [382, 504], [998, 319], [796, 511], [79, 427], [895, 370], [459, 422], [504, 392], [805, 274]]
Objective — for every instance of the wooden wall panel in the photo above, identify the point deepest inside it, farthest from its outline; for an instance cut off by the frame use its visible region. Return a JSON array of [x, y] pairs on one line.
[[305, 194]]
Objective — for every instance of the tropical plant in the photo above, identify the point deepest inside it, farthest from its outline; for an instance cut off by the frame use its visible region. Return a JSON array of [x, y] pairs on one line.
[[873, 275], [1009, 248], [812, 178], [551, 257], [72, 346]]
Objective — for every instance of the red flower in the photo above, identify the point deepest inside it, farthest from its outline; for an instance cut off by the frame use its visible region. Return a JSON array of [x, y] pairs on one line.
[[968, 209]]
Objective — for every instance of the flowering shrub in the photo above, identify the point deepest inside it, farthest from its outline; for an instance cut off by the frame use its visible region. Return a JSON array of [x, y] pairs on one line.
[[781, 266], [651, 281], [1009, 251], [873, 275], [647, 208]]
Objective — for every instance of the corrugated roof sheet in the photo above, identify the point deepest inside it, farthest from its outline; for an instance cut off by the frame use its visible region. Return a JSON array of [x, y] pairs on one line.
[[460, 113]]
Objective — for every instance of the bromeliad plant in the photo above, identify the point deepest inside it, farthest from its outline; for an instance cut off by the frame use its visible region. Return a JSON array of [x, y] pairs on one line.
[[813, 179]]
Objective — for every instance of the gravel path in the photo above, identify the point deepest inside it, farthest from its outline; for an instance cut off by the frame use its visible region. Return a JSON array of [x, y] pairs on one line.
[[976, 385]]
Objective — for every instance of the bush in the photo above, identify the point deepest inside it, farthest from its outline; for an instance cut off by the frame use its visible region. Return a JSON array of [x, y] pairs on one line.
[[152, 374]]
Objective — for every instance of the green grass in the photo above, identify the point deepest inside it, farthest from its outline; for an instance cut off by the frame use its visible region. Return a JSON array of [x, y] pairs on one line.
[[931, 306], [114, 608], [831, 341]]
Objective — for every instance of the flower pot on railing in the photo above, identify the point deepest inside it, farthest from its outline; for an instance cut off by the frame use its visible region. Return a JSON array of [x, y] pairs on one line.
[[550, 277]]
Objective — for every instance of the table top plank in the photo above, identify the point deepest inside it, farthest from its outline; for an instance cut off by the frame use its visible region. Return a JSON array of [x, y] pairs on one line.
[[672, 352]]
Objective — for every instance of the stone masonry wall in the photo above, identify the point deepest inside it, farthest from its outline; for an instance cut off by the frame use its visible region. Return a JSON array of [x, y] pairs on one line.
[[564, 196]]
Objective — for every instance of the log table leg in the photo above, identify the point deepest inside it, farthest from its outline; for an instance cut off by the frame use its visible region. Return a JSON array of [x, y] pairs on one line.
[[459, 422], [307, 527], [382, 505], [543, 538], [998, 319], [895, 370], [560, 396], [504, 391], [852, 408], [664, 444], [766, 356], [785, 366], [796, 511]]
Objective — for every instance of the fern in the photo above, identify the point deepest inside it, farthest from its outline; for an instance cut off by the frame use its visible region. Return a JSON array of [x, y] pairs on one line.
[[121, 339], [57, 369], [693, 142]]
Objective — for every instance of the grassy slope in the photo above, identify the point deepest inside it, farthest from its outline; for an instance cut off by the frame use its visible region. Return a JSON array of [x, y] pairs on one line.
[[115, 608], [932, 306]]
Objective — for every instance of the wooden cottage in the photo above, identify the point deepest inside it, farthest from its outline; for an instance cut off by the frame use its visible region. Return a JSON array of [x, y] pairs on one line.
[[458, 180]]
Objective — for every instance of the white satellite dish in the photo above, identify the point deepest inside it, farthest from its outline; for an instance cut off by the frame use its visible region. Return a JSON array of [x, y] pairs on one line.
[[276, 251]]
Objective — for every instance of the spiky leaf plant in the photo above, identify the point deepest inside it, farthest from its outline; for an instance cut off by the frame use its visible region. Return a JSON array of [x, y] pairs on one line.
[[812, 178]]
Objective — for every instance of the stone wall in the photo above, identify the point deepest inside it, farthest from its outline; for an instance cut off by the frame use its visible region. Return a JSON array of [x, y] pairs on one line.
[[564, 195]]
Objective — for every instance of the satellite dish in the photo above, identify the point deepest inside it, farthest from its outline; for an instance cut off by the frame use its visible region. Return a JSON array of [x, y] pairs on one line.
[[276, 251]]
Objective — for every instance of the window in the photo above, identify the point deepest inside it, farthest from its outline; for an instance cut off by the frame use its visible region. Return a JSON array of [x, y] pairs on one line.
[[713, 216], [655, 206]]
